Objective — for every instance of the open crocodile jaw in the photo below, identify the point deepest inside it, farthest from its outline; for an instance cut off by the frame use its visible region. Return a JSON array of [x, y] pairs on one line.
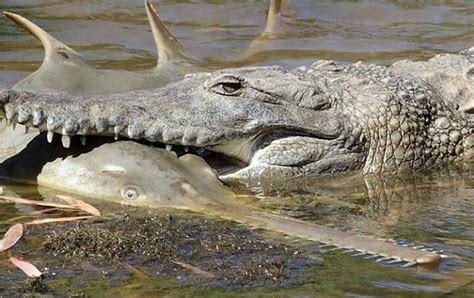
[[202, 111]]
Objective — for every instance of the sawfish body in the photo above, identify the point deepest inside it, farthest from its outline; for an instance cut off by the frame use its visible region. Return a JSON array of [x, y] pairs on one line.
[[133, 174]]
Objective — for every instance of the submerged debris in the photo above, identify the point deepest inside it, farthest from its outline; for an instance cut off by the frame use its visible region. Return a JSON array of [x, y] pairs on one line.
[[227, 253]]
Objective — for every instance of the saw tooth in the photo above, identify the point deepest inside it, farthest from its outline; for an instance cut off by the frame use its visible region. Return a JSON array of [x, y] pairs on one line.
[[409, 264], [394, 261], [66, 140], [325, 245], [50, 136], [418, 246], [348, 251], [361, 253], [371, 257], [383, 259], [83, 140]]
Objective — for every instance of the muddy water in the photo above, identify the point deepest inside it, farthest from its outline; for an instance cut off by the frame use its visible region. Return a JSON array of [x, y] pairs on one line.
[[434, 208]]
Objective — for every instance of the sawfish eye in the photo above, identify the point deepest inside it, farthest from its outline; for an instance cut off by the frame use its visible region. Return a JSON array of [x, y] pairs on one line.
[[227, 84], [130, 193]]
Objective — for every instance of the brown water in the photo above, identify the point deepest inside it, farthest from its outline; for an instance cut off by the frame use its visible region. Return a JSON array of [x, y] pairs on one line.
[[435, 208]]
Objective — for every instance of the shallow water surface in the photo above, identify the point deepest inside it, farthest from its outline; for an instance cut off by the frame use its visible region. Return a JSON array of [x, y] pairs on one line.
[[434, 208]]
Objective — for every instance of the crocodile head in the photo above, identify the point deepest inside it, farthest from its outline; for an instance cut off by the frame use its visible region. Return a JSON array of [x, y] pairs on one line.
[[328, 118]]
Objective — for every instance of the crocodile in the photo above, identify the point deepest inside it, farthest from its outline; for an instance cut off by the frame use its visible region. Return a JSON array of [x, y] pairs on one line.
[[324, 119]]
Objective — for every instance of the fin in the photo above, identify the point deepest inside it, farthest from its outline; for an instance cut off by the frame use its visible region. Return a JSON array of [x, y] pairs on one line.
[[168, 47], [273, 16], [54, 49], [279, 14]]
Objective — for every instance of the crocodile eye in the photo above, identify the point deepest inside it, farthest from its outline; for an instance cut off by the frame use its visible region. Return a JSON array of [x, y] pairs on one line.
[[130, 193], [228, 85]]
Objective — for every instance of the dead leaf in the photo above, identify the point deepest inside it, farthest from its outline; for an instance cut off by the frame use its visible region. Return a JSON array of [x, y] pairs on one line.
[[80, 205], [195, 269], [11, 237], [59, 219], [37, 203], [26, 267]]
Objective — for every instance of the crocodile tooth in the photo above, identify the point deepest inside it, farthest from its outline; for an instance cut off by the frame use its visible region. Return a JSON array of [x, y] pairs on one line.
[[9, 114], [9, 122], [27, 129], [13, 125], [37, 118], [23, 117], [50, 136], [117, 131], [83, 140], [186, 149], [66, 140], [134, 131], [169, 147], [70, 127]]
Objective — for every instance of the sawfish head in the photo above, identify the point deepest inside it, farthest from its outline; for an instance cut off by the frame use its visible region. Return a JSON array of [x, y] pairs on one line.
[[124, 172]]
